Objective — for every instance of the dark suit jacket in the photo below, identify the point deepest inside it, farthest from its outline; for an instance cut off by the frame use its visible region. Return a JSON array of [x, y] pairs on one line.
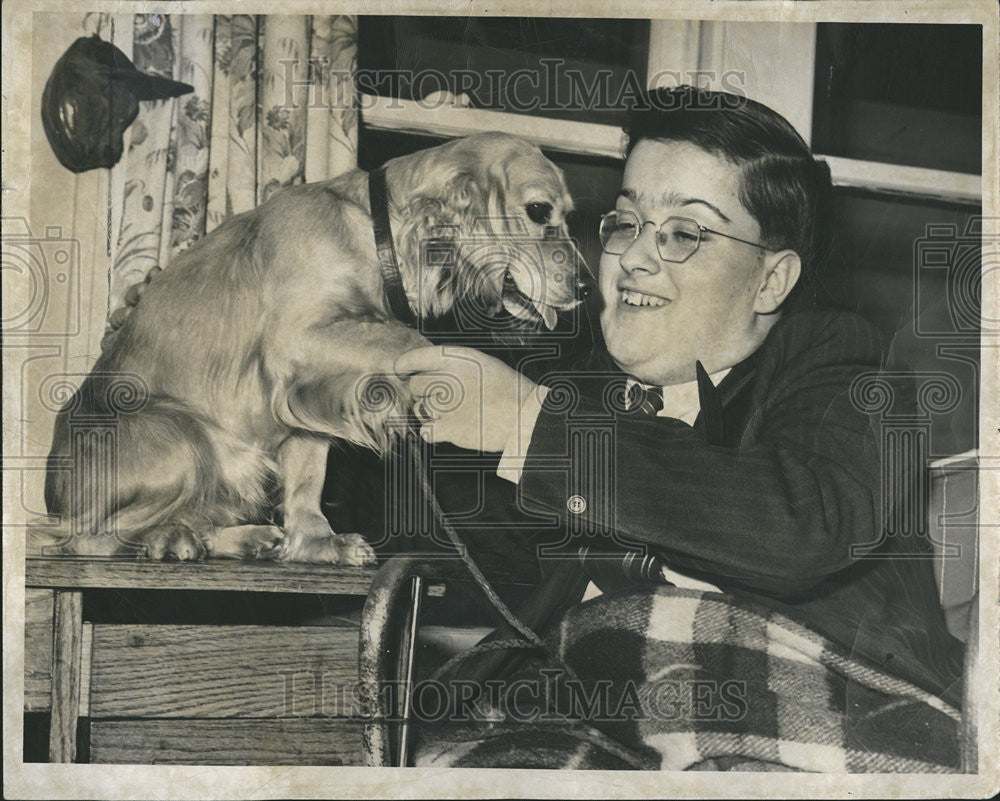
[[767, 501]]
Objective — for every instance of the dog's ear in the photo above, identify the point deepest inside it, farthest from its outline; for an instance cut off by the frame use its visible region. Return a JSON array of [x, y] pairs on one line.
[[426, 243], [465, 179], [425, 220], [440, 256], [468, 198], [463, 204]]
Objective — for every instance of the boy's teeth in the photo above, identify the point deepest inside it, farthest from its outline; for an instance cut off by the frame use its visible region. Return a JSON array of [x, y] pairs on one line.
[[633, 298]]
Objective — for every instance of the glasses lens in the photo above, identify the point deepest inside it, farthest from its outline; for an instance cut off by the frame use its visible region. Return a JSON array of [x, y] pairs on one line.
[[618, 231], [677, 239]]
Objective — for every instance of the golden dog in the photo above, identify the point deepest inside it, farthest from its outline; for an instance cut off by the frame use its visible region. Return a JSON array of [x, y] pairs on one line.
[[272, 336]]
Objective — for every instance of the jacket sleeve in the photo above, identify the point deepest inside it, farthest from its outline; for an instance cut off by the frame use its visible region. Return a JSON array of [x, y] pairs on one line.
[[777, 514]]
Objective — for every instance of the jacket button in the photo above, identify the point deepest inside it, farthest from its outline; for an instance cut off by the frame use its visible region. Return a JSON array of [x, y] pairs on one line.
[[577, 504]]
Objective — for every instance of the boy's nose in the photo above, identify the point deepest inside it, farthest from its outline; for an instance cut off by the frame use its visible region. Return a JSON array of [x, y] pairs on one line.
[[641, 255]]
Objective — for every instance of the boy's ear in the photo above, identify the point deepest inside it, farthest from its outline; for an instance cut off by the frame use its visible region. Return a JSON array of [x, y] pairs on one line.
[[782, 271]]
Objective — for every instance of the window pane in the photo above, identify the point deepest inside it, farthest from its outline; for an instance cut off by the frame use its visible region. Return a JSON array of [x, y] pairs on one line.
[[897, 256], [574, 69], [901, 94]]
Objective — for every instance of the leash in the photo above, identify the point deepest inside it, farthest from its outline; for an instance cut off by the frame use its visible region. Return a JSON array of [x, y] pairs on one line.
[[530, 640], [392, 280]]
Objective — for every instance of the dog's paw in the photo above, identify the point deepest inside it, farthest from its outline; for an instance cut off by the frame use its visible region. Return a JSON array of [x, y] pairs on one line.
[[173, 544], [244, 542], [185, 547], [354, 550], [328, 549], [273, 551]]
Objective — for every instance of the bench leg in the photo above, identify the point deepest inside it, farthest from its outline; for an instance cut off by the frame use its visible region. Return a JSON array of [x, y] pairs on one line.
[[67, 654]]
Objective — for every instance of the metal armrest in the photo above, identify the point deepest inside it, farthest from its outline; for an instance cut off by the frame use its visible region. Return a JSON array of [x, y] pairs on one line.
[[385, 656], [388, 642]]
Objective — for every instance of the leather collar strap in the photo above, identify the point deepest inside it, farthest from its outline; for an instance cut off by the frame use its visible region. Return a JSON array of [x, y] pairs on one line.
[[392, 281]]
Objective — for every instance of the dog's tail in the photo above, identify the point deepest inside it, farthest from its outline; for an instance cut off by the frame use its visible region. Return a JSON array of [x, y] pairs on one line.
[[369, 410], [56, 535], [46, 536]]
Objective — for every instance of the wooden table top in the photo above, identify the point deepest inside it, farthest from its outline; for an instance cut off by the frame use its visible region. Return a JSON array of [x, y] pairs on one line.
[[74, 573]]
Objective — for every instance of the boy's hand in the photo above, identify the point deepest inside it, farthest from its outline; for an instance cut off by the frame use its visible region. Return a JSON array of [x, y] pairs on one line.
[[464, 396]]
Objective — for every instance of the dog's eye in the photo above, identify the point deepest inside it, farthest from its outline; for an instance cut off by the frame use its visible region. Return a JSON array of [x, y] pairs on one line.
[[539, 212]]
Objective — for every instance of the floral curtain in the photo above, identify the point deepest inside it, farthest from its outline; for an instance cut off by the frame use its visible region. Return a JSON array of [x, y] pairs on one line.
[[273, 105]]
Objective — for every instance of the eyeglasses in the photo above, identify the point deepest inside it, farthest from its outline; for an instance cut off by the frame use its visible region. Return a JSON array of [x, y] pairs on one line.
[[677, 238]]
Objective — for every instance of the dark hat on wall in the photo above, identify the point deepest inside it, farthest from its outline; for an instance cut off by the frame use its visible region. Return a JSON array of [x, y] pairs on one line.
[[91, 97]]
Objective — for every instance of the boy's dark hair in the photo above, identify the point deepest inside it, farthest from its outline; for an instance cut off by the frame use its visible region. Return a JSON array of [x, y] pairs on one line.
[[786, 190]]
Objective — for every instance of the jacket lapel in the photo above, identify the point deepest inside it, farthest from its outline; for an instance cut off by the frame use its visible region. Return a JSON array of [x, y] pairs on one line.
[[725, 409]]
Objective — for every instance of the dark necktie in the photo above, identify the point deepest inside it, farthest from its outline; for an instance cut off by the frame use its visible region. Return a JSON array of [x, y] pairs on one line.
[[645, 401]]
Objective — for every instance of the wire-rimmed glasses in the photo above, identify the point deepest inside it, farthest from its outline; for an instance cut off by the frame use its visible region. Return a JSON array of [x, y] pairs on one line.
[[677, 238]]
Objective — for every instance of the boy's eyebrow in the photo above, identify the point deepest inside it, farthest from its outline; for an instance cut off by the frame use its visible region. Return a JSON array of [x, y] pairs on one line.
[[678, 200], [687, 201]]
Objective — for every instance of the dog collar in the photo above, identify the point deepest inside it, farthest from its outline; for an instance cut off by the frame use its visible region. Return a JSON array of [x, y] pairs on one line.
[[392, 280]]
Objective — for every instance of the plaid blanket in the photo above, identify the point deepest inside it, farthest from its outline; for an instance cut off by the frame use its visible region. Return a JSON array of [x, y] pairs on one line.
[[676, 679]]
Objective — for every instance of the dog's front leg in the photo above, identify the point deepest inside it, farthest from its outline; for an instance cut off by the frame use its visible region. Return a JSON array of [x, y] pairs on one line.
[[334, 391], [308, 536]]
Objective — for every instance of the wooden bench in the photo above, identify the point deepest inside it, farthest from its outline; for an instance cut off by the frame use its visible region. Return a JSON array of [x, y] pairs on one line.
[[169, 693]]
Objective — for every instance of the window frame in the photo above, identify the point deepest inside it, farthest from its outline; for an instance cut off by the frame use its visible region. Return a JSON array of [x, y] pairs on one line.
[[704, 50]]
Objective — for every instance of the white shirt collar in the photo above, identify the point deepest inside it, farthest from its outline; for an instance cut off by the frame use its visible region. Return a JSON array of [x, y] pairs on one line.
[[680, 401]]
